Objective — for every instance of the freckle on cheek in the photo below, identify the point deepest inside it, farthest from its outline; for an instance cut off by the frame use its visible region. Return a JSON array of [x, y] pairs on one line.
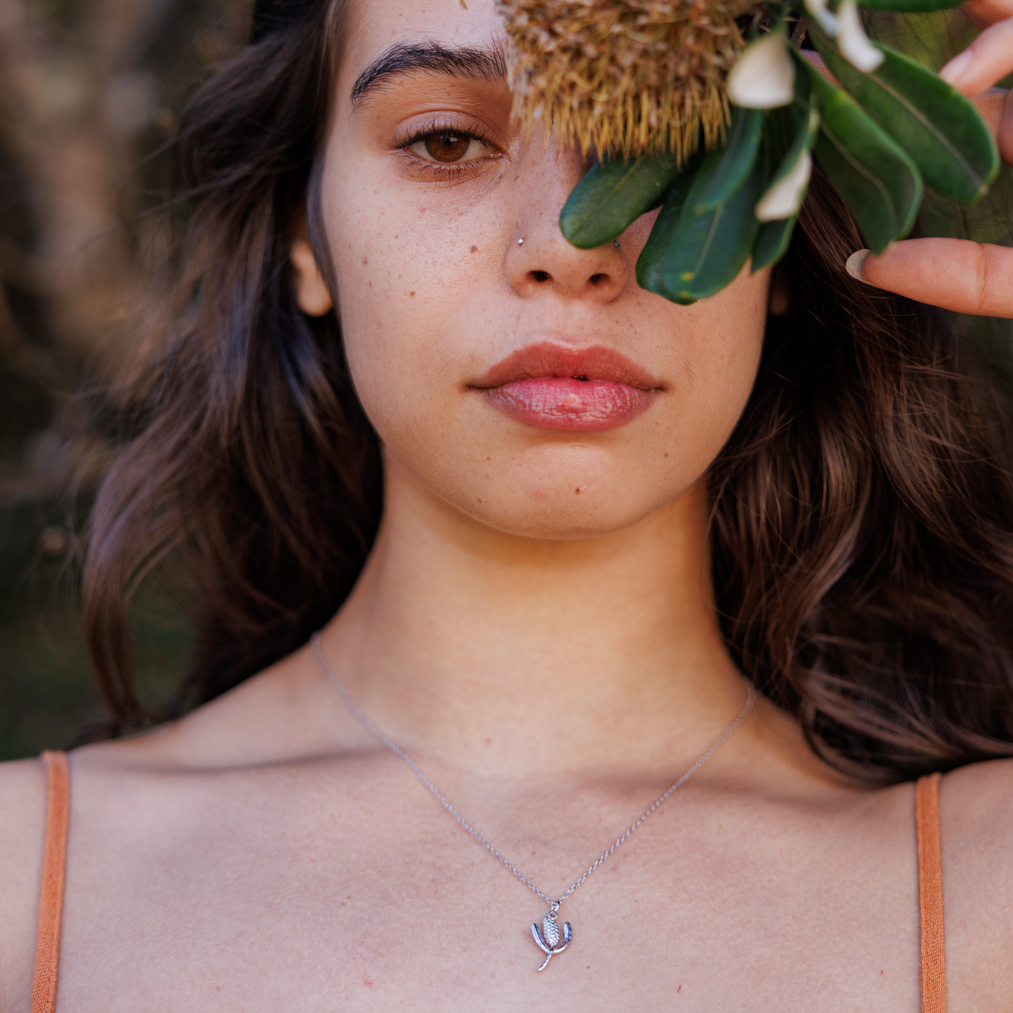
[[473, 249]]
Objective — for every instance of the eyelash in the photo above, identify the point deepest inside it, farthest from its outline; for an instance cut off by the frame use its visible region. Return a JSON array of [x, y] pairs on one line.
[[438, 172]]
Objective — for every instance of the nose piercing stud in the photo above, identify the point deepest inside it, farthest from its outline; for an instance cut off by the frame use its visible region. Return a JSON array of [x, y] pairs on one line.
[[616, 241], [520, 242]]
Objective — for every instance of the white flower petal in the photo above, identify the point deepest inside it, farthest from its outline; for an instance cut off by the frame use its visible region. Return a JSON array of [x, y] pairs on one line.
[[824, 17], [764, 76], [784, 198], [853, 41]]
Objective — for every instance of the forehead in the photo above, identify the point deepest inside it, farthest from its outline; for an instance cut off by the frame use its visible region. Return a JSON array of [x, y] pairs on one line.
[[377, 26]]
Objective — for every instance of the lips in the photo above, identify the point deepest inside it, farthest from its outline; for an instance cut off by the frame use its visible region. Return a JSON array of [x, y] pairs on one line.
[[552, 386]]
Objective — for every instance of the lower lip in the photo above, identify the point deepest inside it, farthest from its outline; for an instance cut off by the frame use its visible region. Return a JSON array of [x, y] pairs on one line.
[[551, 402]]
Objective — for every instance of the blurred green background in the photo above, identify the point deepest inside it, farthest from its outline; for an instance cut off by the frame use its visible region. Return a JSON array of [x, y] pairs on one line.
[[87, 93], [88, 90]]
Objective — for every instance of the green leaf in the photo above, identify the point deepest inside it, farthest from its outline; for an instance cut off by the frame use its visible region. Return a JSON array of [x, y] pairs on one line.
[[772, 242], [906, 6], [652, 256], [790, 131], [612, 196], [878, 181], [731, 169], [702, 253], [939, 128], [784, 124]]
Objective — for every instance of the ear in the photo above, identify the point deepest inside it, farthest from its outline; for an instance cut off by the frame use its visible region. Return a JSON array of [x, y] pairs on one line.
[[311, 292]]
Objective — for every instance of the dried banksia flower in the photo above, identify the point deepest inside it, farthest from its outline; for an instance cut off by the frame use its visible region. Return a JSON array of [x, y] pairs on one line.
[[625, 76]]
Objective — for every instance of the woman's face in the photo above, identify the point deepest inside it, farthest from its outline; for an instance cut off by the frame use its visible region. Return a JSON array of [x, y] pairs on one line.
[[531, 385]]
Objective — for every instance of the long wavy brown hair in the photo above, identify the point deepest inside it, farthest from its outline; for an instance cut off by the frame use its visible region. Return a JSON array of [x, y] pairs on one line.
[[862, 510]]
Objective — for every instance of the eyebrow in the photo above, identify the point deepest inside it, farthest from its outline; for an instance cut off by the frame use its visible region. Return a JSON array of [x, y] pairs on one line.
[[403, 58]]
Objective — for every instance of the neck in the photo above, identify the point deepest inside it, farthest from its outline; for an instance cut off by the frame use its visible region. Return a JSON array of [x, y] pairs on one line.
[[504, 652]]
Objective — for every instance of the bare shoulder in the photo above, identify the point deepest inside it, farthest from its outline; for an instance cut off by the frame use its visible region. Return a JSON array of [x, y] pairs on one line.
[[22, 832], [976, 807], [976, 829], [169, 773]]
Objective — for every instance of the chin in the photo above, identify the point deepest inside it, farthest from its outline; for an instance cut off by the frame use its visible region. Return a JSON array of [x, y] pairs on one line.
[[570, 506], [562, 524]]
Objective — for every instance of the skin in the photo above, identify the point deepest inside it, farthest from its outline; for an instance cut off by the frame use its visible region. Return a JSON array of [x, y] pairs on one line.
[[550, 657]]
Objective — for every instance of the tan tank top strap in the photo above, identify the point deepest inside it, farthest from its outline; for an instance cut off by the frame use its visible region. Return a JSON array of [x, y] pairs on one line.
[[47, 951], [930, 894]]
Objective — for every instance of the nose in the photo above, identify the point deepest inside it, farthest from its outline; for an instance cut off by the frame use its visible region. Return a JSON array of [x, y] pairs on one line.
[[539, 260]]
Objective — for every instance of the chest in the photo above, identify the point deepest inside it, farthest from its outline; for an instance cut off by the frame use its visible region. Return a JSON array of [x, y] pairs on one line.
[[281, 904]]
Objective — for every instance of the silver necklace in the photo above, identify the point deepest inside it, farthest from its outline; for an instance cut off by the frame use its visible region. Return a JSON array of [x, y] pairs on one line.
[[548, 939]]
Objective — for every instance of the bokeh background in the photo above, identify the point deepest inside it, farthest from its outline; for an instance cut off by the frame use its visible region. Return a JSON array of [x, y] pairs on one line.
[[88, 94], [88, 90]]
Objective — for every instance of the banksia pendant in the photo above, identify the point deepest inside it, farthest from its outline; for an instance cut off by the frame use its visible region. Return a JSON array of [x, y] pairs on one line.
[[628, 77], [548, 939]]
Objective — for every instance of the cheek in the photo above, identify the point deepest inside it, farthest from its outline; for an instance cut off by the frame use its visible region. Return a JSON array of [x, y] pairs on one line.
[[410, 282], [724, 352], [719, 342], [410, 259], [715, 348]]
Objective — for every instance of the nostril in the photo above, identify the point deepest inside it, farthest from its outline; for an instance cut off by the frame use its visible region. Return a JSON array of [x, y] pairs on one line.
[[539, 276], [596, 279]]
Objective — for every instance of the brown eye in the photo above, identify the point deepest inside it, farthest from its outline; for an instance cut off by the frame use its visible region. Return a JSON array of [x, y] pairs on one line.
[[447, 147]]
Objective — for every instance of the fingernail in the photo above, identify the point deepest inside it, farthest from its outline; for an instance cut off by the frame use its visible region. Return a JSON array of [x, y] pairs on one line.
[[853, 265], [954, 70]]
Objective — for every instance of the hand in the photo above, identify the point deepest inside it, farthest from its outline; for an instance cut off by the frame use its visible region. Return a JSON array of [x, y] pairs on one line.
[[956, 274]]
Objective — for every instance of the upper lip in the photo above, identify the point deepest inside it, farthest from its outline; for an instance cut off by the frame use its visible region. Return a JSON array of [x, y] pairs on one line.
[[588, 362]]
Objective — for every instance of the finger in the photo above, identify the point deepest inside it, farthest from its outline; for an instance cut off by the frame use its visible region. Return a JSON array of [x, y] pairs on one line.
[[986, 60], [955, 274], [991, 106], [987, 12], [996, 108]]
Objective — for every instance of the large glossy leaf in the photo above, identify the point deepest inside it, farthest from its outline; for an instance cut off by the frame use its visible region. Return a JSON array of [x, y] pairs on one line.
[[790, 132], [613, 195], [906, 6], [789, 126], [787, 132], [704, 251], [772, 242], [878, 181], [938, 127], [730, 169], [652, 256]]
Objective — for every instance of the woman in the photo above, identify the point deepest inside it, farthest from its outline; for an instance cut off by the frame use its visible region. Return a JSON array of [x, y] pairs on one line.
[[599, 510]]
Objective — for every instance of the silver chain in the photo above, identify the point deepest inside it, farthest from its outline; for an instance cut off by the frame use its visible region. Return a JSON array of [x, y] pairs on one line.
[[553, 904]]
